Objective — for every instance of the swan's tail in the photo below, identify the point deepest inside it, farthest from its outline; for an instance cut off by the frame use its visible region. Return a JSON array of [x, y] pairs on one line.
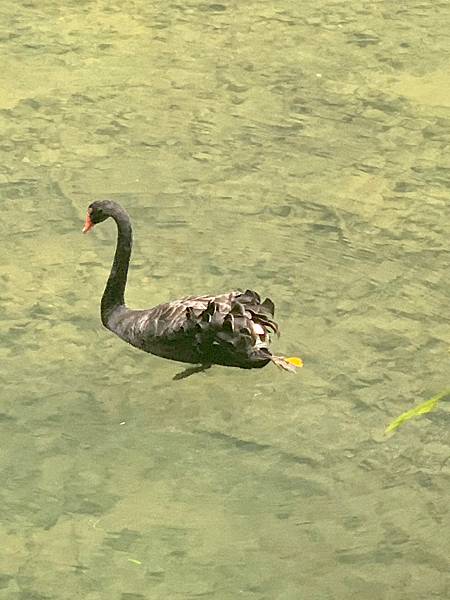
[[288, 364]]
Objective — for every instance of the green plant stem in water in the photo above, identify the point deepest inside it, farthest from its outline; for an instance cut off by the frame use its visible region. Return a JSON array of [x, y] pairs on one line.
[[422, 409]]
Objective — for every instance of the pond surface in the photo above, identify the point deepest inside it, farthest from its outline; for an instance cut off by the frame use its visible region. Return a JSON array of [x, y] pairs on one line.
[[298, 148]]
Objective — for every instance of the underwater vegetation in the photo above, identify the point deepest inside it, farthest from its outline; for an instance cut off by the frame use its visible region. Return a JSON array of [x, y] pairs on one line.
[[422, 409]]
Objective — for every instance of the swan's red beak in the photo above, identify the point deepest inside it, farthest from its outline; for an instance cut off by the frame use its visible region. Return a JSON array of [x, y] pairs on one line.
[[88, 224]]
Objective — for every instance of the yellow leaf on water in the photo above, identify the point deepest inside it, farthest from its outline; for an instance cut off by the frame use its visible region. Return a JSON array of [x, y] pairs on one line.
[[422, 409], [294, 360], [133, 560]]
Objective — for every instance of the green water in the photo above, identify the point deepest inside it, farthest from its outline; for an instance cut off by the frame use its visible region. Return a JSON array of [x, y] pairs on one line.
[[298, 148]]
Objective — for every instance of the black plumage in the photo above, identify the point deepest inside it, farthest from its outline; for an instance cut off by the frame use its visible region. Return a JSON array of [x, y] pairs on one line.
[[231, 329]]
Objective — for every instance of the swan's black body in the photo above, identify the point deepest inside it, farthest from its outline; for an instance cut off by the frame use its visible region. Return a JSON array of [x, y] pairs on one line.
[[230, 329]]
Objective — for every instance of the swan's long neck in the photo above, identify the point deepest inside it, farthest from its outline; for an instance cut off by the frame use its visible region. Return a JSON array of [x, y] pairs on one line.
[[114, 294]]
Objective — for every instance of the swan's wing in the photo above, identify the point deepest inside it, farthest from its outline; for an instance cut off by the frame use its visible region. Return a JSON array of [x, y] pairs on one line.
[[239, 309], [230, 329]]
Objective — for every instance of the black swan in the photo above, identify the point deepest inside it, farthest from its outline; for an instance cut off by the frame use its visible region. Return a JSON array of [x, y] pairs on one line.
[[230, 329]]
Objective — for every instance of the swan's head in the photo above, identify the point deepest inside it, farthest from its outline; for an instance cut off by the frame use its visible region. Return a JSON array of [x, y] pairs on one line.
[[96, 213]]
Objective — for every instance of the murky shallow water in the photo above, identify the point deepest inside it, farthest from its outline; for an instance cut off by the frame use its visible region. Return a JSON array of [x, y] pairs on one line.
[[297, 148]]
